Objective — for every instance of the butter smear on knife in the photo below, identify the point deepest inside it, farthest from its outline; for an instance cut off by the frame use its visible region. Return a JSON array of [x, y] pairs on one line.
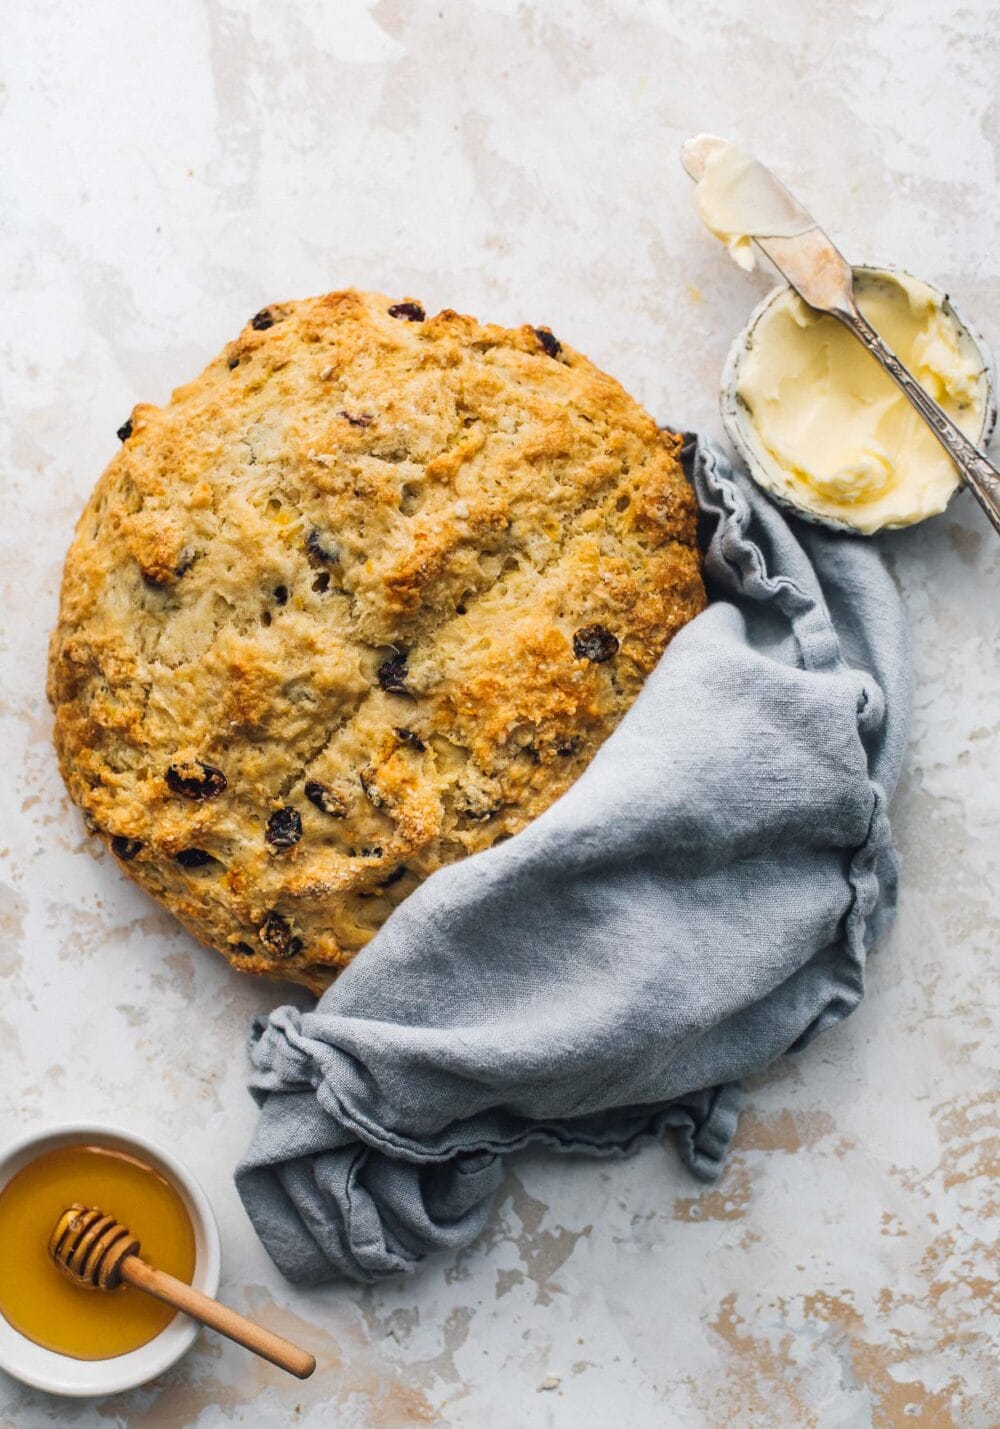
[[738, 200]]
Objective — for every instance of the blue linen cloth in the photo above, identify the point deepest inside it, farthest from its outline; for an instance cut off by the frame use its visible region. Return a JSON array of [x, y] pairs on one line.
[[698, 903]]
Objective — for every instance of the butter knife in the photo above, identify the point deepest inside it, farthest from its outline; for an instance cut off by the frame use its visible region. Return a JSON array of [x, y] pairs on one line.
[[822, 277]]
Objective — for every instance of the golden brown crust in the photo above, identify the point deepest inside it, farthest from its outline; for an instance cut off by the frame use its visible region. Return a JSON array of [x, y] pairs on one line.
[[363, 598]]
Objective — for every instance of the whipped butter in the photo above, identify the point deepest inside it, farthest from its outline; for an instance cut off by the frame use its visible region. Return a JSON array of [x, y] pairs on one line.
[[830, 431], [739, 199]]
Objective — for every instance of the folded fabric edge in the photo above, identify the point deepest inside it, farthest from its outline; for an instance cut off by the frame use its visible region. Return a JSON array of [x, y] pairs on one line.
[[703, 1125]]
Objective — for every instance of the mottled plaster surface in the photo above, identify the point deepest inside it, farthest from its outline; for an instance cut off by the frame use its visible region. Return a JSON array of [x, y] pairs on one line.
[[166, 170]]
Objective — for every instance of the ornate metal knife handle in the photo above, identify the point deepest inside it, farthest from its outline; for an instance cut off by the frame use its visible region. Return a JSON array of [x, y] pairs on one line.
[[976, 470]]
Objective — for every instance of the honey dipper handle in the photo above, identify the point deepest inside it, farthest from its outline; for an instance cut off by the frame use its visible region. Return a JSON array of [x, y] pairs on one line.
[[218, 1317]]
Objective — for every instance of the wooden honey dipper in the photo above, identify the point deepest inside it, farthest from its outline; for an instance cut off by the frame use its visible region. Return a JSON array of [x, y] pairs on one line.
[[98, 1252]]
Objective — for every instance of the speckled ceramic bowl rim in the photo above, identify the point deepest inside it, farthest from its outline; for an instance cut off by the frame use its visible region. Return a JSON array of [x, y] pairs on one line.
[[59, 1374], [743, 434]]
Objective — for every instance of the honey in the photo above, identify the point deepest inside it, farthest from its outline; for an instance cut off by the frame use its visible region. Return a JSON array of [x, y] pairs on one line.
[[39, 1300]]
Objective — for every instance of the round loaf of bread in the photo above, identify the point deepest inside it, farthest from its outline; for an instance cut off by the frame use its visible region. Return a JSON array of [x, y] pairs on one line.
[[363, 599]]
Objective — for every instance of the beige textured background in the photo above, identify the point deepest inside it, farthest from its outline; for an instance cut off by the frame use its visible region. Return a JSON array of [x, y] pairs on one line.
[[168, 169]]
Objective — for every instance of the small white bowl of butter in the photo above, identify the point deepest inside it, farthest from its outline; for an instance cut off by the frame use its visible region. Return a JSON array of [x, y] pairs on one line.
[[826, 432]]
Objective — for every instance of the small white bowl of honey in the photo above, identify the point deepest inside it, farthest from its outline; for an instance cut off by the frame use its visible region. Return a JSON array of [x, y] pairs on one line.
[[64, 1338]]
